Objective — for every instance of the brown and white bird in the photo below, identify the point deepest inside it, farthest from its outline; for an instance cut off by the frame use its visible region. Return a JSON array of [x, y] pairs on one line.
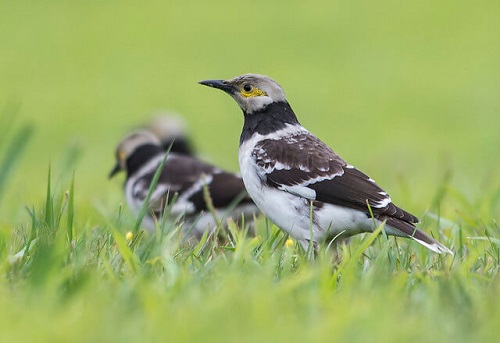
[[182, 178], [301, 184]]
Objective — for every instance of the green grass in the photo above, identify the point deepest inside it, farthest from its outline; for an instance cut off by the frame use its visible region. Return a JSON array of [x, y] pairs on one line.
[[93, 284], [406, 91]]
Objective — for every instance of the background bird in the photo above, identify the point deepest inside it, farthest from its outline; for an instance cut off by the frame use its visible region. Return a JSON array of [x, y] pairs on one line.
[[171, 129], [182, 178], [301, 184]]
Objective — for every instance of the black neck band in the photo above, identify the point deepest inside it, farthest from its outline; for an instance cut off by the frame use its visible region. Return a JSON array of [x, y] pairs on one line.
[[141, 156], [272, 118]]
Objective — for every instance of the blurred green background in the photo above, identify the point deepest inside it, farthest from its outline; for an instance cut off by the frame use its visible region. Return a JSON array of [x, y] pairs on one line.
[[407, 91]]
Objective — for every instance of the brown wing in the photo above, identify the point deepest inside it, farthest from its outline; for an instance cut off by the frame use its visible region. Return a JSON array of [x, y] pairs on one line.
[[302, 160]]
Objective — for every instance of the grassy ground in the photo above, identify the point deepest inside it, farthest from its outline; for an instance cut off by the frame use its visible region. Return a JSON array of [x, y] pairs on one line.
[[406, 91]]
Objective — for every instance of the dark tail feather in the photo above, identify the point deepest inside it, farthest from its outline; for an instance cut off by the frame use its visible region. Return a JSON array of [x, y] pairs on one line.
[[408, 230]]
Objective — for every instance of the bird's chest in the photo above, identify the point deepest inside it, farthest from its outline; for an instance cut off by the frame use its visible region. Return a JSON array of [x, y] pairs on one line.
[[252, 175], [135, 192], [270, 200]]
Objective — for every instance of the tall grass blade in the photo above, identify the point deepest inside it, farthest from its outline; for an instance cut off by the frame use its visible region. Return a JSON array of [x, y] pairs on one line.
[[71, 210], [7, 119], [492, 240], [49, 207], [13, 153], [145, 206], [210, 204], [348, 260]]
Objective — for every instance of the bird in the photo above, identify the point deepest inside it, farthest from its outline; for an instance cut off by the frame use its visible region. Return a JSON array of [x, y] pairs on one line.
[[299, 182], [180, 186], [170, 128]]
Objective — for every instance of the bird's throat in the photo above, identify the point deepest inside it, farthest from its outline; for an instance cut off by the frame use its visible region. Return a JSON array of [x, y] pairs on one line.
[[272, 118]]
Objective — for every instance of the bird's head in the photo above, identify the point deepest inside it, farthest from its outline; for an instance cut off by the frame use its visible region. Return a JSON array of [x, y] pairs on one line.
[[253, 92], [129, 145], [170, 128]]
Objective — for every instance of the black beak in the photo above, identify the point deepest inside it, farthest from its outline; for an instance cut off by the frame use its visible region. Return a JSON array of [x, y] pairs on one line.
[[219, 84], [115, 170]]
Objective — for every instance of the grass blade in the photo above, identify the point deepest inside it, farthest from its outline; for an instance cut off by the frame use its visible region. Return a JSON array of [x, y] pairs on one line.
[[49, 208], [71, 210], [13, 154], [145, 206], [127, 254], [9, 112]]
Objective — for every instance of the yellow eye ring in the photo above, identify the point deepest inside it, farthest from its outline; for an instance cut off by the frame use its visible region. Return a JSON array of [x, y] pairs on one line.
[[250, 91], [121, 155]]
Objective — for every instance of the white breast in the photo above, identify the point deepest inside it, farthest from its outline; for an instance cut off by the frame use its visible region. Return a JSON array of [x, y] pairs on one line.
[[287, 211]]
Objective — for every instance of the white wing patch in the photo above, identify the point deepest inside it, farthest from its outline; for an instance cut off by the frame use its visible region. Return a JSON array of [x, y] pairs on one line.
[[183, 205], [301, 191], [384, 202]]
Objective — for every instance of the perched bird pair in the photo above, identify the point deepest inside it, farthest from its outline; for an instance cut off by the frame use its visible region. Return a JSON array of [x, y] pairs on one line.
[[301, 184], [182, 181]]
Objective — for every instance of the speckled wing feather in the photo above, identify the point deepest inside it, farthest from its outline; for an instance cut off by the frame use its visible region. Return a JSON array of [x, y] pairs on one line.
[[302, 164], [186, 176], [178, 174], [224, 189]]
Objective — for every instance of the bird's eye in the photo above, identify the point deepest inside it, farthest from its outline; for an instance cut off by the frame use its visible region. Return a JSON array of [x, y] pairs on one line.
[[121, 155], [249, 91]]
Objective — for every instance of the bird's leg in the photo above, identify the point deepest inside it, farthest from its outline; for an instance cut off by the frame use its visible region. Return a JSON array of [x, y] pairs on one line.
[[310, 247]]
